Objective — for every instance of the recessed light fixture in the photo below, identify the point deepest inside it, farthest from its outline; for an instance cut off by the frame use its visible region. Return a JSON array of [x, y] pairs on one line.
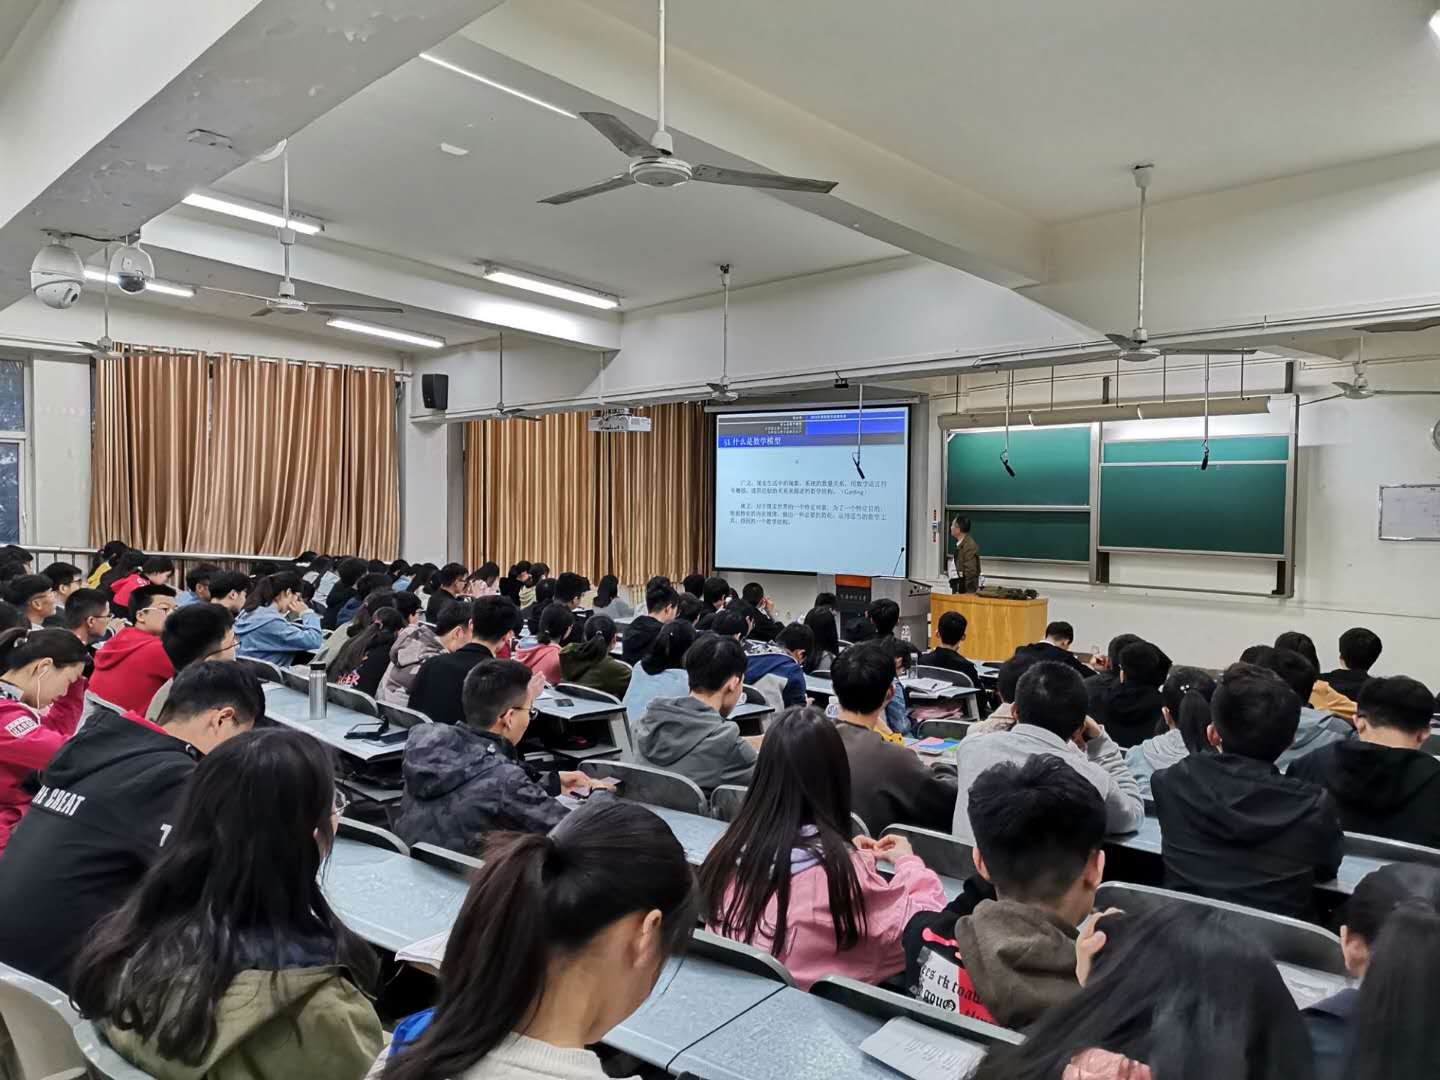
[[574, 293], [165, 288], [1435, 23], [453, 150], [260, 214], [389, 333], [448, 66]]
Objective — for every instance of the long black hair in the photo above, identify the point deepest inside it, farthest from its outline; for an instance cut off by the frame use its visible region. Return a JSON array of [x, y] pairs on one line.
[[1186, 694], [799, 800], [22, 646], [1175, 989], [606, 590], [556, 622], [669, 647], [821, 621], [537, 900], [236, 880], [268, 588], [420, 577], [384, 626], [1389, 1033]]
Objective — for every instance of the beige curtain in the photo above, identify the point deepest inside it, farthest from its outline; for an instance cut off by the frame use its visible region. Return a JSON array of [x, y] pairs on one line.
[[631, 505], [284, 456]]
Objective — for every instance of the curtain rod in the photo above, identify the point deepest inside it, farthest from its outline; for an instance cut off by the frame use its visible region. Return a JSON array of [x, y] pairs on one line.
[[138, 352]]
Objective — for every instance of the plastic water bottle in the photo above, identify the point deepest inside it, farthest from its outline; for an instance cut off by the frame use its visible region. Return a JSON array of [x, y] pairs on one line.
[[317, 690]]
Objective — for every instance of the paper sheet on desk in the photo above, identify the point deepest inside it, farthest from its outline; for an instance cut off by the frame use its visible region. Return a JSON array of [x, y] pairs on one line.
[[922, 1053], [925, 686], [1306, 986], [430, 950]]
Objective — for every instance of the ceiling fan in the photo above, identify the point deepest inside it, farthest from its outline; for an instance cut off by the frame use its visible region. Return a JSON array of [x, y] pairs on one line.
[[285, 302], [1361, 390], [508, 412], [1135, 346], [104, 347], [720, 391], [653, 164]]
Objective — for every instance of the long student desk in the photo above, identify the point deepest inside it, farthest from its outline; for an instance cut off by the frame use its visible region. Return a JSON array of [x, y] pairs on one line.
[[292, 708], [389, 899]]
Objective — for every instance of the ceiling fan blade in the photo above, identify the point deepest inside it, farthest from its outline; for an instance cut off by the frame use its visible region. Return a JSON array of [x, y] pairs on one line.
[[1124, 341], [1317, 401], [625, 138], [234, 292], [261, 313], [1345, 387], [325, 309], [1401, 327], [1406, 393], [713, 174], [623, 180]]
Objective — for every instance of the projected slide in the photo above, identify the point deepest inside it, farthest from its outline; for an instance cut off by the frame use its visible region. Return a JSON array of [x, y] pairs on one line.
[[788, 494]]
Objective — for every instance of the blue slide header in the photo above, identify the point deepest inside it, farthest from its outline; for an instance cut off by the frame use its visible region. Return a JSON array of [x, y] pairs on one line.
[[830, 427]]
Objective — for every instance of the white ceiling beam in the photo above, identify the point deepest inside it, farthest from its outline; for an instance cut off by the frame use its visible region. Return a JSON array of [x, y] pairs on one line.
[[570, 54]]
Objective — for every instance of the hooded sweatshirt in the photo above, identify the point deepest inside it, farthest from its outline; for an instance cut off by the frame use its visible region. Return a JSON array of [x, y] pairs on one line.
[[1317, 729], [97, 822], [28, 740], [1380, 790], [1132, 712], [589, 663], [1020, 959], [266, 634], [1232, 828], [122, 589], [776, 674], [461, 783], [645, 688], [639, 636], [686, 736], [413, 647], [1152, 755], [129, 668], [542, 658]]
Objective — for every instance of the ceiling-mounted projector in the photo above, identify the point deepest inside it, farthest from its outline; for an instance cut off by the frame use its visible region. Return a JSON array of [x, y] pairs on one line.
[[619, 420]]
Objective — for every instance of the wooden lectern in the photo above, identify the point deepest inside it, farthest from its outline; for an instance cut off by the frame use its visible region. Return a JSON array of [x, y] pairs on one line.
[[995, 628]]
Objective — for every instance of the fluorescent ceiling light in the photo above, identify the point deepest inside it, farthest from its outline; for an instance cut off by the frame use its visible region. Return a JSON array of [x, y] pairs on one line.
[[588, 297], [1176, 410], [448, 66], [1089, 414], [166, 288], [1435, 24], [387, 332], [250, 213]]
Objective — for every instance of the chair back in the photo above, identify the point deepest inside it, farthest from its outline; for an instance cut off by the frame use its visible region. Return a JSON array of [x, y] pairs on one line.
[[456, 862], [886, 1004], [263, 670], [1388, 851], [647, 784], [1289, 941], [295, 680], [585, 693], [740, 956], [401, 715], [105, 1062], [861, 829], [726, 800], [755, 696], [39, 1019], [954, 678], [942, 729], [941, 851], [350, 829], [349, 698]]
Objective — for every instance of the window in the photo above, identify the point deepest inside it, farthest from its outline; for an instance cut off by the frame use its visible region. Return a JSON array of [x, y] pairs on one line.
[[12, 450]]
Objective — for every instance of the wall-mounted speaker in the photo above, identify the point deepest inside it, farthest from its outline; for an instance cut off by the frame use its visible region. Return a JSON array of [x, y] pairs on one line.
[[435, 391]]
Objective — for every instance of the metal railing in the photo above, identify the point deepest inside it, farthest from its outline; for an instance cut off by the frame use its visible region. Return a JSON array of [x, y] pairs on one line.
[[84, 557]]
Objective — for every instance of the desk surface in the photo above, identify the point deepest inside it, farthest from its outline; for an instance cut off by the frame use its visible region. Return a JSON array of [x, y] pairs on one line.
[[693, 998], [389, 899], [789, 1035], [819, 684], [579, 709], [292, 708], [697, 834]]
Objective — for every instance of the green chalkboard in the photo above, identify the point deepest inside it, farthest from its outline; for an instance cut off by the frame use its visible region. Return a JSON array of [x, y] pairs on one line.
[[1052, 468], [1236, 509], [1027, 534]]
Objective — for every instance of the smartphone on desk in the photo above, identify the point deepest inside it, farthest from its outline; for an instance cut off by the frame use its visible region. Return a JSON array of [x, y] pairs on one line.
[[378, 731], [586, 792]]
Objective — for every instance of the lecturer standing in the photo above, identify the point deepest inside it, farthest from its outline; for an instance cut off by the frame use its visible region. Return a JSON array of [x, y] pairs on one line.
[[965, 568]]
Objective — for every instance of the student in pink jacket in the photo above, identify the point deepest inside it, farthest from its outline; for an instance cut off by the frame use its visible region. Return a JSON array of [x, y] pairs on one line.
[[786, 877], [557, 626], [42, 693]]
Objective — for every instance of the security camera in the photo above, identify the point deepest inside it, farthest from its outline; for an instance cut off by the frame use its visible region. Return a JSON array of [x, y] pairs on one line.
[[132, 267], [57, 276], [841, 383]]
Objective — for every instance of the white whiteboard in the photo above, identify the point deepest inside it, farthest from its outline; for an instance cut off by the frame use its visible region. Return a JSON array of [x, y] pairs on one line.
[[1410, 511]]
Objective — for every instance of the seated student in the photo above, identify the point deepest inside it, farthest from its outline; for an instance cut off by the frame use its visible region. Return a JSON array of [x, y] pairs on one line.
[[417, 643], [485, 581], [273, 984], [559, 940], [786, 877], [570, 589], [103, 560], [1134, 708], [1147, 982], [42, 691], [87, 616], [34, 595], [1007, 678], [1368, 910], [661, 674], [891, 785], [884, 615], [276, 623], [822, 625], [690, 735], [951, 629], [608, 601], [778, 670], [1232, 828], [197, 585], [467, 779], [733, 623], [367, 585], [556, 628], [440, 682], [897, 709], [1104, 681], [544, 594], [1359, 650], [1185, 706], [588, 662], [230, 591], [715, 593], [1050, 718], [65, 578], [132, 665], [1038, 832], [1059, 636], [365, 657], [1382, 782], [105, 805], [517, 579], [662, 604], [859, 630], [689, 608], [347, 573], [360, 620], [191, 635], [1323, 697], [155, 570], [1317, 728], [766, 626], [126, 565]]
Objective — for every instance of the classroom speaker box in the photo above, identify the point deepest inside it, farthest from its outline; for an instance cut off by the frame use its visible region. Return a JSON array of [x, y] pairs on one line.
[[435, 390]]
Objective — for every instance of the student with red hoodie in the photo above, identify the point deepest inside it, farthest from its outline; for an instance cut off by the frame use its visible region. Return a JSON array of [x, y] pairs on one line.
[[155, 570], [42, 691], [132, 665]]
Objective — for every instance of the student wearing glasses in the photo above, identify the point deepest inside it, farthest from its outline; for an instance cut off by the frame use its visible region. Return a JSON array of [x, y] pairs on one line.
[[132, 665]]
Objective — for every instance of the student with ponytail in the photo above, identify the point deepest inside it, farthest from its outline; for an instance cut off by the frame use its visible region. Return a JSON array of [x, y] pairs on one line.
[[363, 660], [42, 691], [556, 627], [1185, 711], [561, 938]]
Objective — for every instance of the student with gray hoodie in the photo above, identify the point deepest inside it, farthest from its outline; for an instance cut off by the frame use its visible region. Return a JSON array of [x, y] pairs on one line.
[[1317, 727], [690, 735]]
